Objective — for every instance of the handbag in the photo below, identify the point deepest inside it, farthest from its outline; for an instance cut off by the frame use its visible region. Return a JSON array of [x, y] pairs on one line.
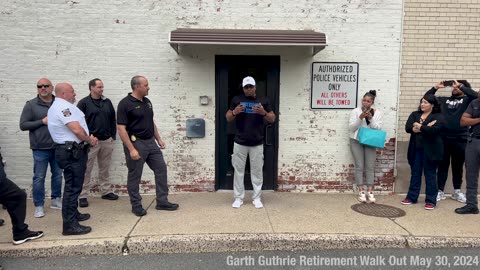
[[372, 137]]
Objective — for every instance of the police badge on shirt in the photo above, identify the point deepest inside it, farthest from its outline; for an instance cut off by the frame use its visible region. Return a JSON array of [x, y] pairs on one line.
[[66, 112]]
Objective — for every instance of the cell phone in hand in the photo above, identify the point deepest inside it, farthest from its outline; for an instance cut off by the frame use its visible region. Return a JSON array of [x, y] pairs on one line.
[[448, 83]]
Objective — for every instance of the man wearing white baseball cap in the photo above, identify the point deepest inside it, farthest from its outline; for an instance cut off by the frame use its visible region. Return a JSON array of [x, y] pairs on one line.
[[249, 113]]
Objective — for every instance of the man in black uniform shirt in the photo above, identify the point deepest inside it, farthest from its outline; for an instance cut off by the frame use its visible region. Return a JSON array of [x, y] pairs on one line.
[[249, 113], [471, 117], [142, 143], [100, 117]]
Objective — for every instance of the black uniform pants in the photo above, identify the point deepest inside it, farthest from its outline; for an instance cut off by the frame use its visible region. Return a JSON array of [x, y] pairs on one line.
[[453, 149], [15, 199], [74, 167], [151, 154]]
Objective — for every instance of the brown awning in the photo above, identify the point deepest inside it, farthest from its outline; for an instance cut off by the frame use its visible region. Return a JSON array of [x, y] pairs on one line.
[[313, 39]]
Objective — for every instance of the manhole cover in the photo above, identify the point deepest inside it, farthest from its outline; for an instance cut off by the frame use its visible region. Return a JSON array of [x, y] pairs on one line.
[[378, 210]]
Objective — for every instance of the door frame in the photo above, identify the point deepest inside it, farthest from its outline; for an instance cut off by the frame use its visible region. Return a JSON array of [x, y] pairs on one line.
[[222, 65]]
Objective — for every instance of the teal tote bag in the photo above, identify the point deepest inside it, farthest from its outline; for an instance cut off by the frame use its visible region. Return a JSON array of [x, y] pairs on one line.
[[372, 137]]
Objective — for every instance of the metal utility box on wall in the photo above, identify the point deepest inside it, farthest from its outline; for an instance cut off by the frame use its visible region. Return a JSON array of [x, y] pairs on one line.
[[195, 128]]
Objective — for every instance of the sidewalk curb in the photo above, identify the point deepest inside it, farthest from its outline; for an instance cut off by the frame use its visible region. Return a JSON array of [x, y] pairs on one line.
[[258, 242], [140, 245], [83, 247], [443, 242]]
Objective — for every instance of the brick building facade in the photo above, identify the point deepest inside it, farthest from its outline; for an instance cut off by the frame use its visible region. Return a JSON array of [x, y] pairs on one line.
[[440, 42], [76, 41]]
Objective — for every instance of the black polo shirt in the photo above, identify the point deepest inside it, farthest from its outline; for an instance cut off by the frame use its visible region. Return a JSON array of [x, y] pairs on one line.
[[249, 125], [137, 116]]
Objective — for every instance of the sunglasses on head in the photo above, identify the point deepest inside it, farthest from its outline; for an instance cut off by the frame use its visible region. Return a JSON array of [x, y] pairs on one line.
[[43, 85]]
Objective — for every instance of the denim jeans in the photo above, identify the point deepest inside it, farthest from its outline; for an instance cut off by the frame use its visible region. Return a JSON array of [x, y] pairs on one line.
[[429, 168], [41, 159]]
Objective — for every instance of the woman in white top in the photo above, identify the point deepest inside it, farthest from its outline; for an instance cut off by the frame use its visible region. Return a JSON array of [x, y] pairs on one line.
[[364, 156]]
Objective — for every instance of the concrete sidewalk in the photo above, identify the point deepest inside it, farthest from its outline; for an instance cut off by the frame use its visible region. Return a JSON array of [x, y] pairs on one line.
[[206, 222]]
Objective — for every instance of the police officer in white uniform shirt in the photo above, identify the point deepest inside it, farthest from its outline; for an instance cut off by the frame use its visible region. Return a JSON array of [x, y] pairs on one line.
[[69, 131]]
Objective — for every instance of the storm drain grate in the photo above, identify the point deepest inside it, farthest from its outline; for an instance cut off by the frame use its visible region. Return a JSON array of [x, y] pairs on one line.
[[378, 210]]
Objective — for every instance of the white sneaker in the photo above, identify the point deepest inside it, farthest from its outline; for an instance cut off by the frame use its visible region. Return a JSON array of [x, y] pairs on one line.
[[440, 195], [258, 203], [371, 198], [237, 203], [56, 203], [362, 197], [459, 196], [39, 212]]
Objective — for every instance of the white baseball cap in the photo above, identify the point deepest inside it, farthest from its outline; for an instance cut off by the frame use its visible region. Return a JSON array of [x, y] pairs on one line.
[[248, 80]]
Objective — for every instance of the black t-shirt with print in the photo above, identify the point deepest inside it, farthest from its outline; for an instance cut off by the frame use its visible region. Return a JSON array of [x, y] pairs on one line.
[[137, 116], [249, 125]]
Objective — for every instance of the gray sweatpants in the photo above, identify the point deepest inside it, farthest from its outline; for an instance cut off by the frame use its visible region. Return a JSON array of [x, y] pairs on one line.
[[239, 159], [364, 159]]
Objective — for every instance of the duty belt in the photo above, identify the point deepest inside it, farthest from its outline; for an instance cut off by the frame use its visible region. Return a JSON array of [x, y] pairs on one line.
[[74, 147]]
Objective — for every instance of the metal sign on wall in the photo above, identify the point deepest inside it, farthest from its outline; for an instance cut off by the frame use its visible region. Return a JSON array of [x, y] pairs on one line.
[[334, 85]]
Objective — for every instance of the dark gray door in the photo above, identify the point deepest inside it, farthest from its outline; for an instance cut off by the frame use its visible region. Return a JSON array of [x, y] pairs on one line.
[[229, 71]]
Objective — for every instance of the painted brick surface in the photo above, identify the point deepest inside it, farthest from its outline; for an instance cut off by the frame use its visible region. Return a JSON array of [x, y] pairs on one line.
[[440, 42], [76, 41]]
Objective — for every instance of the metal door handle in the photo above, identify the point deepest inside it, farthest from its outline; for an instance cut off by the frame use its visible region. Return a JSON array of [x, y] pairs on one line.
[[267, 143]]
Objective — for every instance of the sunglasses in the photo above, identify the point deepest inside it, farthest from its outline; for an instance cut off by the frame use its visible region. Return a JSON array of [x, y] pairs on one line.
[[248, 86], [43, 85]]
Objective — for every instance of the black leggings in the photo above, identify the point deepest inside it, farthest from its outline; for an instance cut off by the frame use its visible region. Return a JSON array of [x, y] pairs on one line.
[[454, 150]]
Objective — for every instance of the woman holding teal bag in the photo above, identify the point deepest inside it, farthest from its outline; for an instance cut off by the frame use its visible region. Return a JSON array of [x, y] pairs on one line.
[[425, 150], [364, 156]]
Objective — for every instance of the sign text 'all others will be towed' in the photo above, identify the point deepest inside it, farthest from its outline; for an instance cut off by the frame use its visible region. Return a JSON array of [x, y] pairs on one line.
[[334, 85]]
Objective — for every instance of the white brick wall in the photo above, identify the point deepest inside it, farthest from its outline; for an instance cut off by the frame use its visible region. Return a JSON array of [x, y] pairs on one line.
[[76, 41]]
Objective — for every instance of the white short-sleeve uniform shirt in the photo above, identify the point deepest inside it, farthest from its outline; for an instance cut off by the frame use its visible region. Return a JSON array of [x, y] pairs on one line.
[[59, 115]]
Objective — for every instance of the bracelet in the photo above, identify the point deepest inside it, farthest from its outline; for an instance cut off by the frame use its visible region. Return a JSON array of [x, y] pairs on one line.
[[265, 114], [233, 114]]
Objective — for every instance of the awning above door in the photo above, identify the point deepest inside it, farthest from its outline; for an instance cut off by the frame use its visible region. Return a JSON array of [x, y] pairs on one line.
[[317, 41]]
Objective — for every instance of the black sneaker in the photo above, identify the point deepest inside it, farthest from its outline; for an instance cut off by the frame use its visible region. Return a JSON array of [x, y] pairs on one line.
[[139, 211], [76, 230], [466, 210], [83, 217], [110, 196], [167, 206], [26, 236], [83, 202]]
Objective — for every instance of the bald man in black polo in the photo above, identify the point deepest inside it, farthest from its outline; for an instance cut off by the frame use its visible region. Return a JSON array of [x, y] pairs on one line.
[[142, 143]]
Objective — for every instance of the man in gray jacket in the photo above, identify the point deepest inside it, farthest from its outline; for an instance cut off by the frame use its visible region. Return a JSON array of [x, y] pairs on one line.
[[34, 119]]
